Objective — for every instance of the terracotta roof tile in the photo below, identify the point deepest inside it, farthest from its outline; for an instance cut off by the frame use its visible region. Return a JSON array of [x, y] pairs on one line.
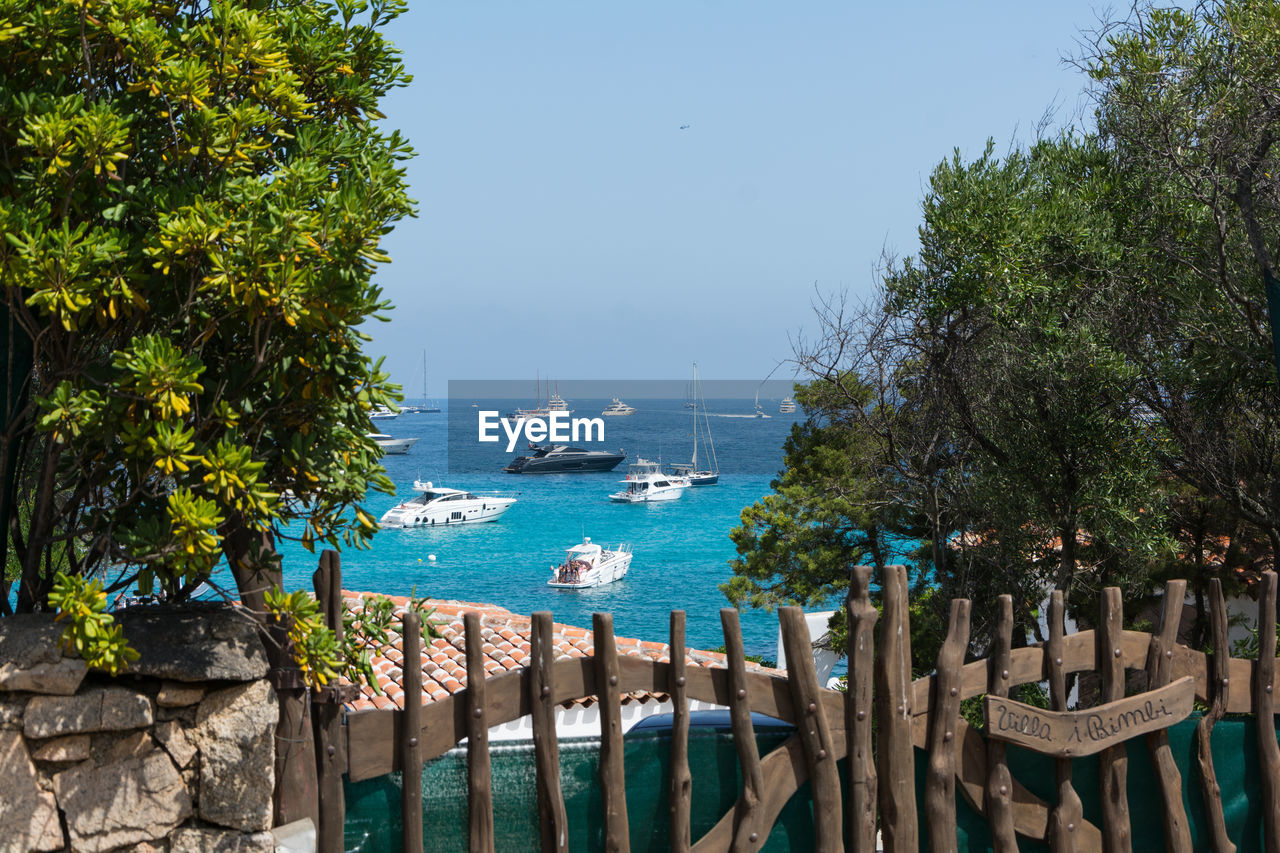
[[506, 638]]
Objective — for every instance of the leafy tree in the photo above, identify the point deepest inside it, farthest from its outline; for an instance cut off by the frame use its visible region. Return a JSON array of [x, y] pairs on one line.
[[192, 200], [1189, 105]]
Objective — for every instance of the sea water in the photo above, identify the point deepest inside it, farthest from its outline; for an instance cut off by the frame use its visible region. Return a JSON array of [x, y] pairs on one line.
[[681, 547]]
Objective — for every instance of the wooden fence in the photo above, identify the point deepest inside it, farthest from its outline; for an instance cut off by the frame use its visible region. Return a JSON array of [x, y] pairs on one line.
[[878, 790]]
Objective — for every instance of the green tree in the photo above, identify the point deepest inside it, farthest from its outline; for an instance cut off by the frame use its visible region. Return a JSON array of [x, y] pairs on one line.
[[192, 201], [1189, 106]]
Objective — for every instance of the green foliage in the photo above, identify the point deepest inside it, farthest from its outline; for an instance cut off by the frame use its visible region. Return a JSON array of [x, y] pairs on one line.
[[90, 632], [192, 202], [315, 647]]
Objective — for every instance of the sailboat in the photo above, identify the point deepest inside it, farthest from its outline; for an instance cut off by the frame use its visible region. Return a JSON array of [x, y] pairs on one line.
[[705, 476], [426, 408], [760, 412]]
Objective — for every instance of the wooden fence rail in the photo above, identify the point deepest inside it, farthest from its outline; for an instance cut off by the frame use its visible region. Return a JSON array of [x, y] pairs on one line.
[[879, 788]]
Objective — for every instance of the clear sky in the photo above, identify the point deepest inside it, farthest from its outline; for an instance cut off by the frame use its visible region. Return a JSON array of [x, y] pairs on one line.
[[569, 226]]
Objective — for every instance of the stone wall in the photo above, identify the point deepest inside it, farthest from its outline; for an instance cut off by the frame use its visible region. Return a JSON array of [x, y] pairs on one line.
[[175, 755]]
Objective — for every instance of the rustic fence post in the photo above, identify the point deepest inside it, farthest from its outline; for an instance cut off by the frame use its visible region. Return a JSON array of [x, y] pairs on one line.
[[1177, 833], [1068, 814], [479, 780], [553, 824], [1264, 711], [1113, 762], [748, 833], [331, 746], [860, 800], [681, 780], [1219, 690], [944, 713], [999, 790], [410, 732], [613, 781], [813, 731], [895, 760]]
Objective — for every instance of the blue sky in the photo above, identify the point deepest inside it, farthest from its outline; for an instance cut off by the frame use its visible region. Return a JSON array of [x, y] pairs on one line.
[[569, 226]]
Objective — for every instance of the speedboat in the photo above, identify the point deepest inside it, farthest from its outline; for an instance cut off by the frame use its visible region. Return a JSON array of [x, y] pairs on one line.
[[617, 407], [562, 459], [787, 406], [437, 505], [646, 482], [383, 413], [391, 445], [589, 565]]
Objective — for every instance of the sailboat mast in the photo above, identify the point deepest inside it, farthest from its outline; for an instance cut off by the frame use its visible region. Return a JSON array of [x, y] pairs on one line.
[[695, 416]]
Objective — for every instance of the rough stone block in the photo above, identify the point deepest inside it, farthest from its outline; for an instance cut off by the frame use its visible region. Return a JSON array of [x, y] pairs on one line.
[[96, 710], [187, 840], [174, 740], [11, 713], [218, 644], [235, 731], [111, 748], [125, 803], [176, 695], [69, 748], [60, 678], [28, 815]]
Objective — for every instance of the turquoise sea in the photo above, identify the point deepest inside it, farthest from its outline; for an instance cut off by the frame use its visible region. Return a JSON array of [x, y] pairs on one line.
[[682, 547]]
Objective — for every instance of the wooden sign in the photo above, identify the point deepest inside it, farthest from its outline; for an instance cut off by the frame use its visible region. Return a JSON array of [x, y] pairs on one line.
[[1073, 733]]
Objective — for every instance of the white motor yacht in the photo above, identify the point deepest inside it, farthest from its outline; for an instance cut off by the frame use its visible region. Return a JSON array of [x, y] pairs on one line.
[[437, 505], [390, 444], [617, 407], [589, 565], [787, 406], [647, 482], [383, 413]]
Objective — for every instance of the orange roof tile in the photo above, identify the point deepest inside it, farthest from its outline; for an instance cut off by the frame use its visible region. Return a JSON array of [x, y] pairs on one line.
[[506, 647]]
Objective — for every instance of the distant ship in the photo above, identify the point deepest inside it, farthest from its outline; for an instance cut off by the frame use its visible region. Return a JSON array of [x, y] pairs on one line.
[[562, 459]]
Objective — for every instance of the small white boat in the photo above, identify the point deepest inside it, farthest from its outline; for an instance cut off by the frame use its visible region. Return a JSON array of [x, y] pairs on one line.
[[382, 413], [647, 482], [392, 445], [760, 412], [787, 406], [617, 407], [589, 565], [437, 505]]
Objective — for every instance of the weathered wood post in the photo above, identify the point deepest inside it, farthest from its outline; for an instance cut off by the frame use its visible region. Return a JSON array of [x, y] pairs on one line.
[[613, 781], [681, 780], [1219, 689], [1177, 832], [553, 825], [331, 746], [479, 778], [1068, 814], [895, 761], [998, 794], [1264, 710], [944, 716], [860, 792], [411, 732], [749, 832], [1113, 762], [813, 731]]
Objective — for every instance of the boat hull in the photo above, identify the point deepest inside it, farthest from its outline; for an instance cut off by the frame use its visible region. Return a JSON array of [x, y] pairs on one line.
[[580, 465], [703, 479], [395, 446], [668, 493], [490, 509]]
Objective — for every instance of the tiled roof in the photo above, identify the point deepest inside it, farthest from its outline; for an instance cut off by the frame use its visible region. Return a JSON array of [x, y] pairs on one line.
[[506, 646]]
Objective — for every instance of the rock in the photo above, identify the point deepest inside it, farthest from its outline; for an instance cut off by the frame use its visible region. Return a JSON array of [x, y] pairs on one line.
[[96, 710], [69, 748], [31, 656], [28, 815], [187, 840], [235, 733], [218, 644], [125, 803], [176, 695], [175, 742], [118, 748], [59, 679], [11, 713]]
